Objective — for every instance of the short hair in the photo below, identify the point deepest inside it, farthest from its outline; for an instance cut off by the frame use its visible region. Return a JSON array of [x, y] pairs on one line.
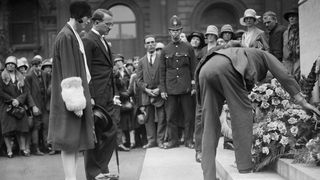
[[98, 14], [149, 36], [272, 14], [79, 9]]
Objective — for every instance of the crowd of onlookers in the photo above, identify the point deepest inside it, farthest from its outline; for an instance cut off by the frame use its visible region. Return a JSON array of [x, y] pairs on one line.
[[26, 83]]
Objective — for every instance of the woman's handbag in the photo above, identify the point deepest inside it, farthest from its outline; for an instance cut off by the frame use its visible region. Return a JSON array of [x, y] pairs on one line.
[[18, 112], [127, 106]]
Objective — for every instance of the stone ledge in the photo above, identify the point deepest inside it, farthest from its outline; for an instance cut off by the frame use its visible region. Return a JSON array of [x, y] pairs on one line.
[[286, 169], [226, 168]]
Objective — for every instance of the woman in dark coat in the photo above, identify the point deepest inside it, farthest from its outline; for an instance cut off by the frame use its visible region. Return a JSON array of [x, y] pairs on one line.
[[13, 93], [71, 117]]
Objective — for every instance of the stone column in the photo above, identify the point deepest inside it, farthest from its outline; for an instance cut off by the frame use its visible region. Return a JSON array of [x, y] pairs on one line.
[[63, 14]]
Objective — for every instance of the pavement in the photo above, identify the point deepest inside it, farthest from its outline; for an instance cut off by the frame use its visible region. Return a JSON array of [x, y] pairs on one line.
[[49, 167]]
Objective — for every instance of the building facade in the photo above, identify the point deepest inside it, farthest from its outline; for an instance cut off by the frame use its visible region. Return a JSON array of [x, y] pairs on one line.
[[29, 27]]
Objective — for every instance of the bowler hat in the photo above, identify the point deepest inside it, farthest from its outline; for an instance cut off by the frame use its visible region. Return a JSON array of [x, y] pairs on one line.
[[101, 118], [199, 35], [212, 29], [175, 23], [249, 13], [292, 11]]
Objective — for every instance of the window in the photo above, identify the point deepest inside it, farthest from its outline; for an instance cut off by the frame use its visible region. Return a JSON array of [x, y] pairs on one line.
[[22, 26], [124, 23]]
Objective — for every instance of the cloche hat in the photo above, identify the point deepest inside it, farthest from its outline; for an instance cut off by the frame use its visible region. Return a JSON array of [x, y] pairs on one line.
[[249, 13]]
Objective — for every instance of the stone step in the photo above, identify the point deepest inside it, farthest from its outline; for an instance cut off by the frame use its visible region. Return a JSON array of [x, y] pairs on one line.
[[291, 171], [226, 168], [172, 164]]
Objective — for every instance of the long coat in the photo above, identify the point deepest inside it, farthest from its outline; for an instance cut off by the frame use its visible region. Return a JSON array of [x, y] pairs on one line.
[[8, 92], [67, 131]]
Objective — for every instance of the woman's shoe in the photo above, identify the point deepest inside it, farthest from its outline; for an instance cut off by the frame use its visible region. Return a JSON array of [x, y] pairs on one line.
[[25, 153]]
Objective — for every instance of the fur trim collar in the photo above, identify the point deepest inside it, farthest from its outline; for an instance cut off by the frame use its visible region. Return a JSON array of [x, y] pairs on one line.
[[6, 78]]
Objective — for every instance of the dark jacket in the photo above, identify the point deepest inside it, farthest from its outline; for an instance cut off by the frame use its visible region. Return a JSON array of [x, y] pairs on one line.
[[100, 64], [177, 65], [275, 39], [148, 76], [38, 95]]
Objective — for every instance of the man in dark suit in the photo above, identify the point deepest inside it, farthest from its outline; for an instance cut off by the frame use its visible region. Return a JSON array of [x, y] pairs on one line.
[[101, 87], [38, 83], [177, 65], [148, 80]]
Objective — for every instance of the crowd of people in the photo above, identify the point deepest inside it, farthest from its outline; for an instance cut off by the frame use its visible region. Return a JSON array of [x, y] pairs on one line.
[[154, 101]]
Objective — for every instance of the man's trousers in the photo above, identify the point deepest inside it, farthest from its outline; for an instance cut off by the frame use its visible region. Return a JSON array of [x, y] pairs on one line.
[[219, 81]]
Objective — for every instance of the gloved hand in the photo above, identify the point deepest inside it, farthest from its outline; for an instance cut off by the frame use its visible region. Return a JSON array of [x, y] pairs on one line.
[[79, 113]]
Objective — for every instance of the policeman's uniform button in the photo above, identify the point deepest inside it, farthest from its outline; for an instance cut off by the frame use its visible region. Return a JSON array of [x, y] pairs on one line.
[[177, 76], [177, 60], [177, 68]]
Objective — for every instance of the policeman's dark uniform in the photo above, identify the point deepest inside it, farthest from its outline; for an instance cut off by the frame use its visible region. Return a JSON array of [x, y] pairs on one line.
[[176, 77]]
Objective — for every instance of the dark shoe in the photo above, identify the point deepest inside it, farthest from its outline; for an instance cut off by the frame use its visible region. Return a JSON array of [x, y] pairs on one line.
[[245, 171], [169, 145], [198, 156], [149, 145], [121, 147], [10, 155], [190, 145], [228, 145]]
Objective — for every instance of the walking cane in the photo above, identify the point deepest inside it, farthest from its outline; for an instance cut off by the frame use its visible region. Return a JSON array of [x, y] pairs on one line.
[[117, 159]]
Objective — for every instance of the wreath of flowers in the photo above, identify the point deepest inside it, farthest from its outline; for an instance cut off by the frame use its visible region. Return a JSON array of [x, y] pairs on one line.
[[280, 126]]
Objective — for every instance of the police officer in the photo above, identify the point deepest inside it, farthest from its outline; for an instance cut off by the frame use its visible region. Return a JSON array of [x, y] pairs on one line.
[[177, 84]]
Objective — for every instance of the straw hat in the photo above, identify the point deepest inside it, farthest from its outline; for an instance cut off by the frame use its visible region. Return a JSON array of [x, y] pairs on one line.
[[249, 13]]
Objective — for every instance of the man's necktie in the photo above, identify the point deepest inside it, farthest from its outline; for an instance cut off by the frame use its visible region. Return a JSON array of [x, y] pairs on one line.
[[150, 60]]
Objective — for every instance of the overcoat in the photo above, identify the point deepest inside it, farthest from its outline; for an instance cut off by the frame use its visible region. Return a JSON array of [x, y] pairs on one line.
[[8, 92], [67, 131]]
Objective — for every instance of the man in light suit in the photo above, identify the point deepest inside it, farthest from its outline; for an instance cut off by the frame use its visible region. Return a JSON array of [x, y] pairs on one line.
[[148, 80], [101, 87], [229, 74]]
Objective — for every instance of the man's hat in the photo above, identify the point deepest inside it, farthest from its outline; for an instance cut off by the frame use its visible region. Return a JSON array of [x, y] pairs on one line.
[[175, 23], [199, 35], [292, 11], [37, 59], [101, 118]]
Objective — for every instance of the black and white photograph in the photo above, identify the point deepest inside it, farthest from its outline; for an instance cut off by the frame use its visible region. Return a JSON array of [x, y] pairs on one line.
[[159, 89]]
